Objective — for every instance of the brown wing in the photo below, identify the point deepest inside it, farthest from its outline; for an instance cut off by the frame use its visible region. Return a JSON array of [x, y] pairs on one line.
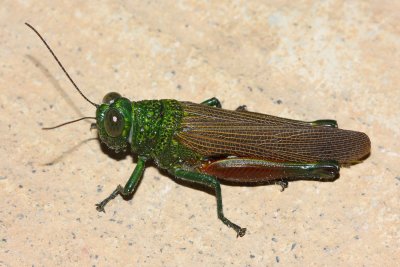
[[217, 132]]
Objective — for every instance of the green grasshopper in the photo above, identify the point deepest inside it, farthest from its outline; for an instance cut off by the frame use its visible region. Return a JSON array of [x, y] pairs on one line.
[[203, 143]]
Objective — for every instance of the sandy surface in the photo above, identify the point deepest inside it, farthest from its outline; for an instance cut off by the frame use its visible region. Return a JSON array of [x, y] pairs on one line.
[[311, 60]]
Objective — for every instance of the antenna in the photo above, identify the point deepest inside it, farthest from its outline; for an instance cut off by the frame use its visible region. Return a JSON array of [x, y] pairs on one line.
[[62, 67], [66, 123]]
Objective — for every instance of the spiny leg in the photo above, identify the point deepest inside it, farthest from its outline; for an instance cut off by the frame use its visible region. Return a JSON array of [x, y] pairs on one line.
[[212, 102], [213, 183], [129, 187]]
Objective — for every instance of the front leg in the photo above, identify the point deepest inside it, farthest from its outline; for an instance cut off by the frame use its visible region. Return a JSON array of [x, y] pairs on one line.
[[129, 187], [212, 182]]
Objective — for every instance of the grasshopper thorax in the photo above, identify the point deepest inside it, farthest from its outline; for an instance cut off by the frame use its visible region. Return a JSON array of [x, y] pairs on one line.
[[114, 121]]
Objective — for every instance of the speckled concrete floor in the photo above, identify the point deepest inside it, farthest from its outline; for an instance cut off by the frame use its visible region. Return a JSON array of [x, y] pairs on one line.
[[309, 60]]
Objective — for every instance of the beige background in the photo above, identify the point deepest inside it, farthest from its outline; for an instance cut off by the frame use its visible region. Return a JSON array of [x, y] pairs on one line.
[[309, 60]]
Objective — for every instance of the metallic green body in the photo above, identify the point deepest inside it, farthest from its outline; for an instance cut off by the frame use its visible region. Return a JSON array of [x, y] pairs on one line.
[[150, 130], [188, 139]]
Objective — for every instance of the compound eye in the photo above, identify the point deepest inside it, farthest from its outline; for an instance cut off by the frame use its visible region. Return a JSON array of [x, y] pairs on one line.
[[113, 123], [110, 97]]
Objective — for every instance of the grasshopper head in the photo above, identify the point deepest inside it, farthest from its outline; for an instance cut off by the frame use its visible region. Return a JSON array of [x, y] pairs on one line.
[[114, 116], [114, 121]]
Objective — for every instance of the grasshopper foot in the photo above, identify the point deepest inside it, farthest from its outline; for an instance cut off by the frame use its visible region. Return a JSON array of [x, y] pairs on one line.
[[100, 206], [284, 184], [241, 232]]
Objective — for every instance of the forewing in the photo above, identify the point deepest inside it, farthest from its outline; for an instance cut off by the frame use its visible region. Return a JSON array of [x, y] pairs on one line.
[[218, 132]]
